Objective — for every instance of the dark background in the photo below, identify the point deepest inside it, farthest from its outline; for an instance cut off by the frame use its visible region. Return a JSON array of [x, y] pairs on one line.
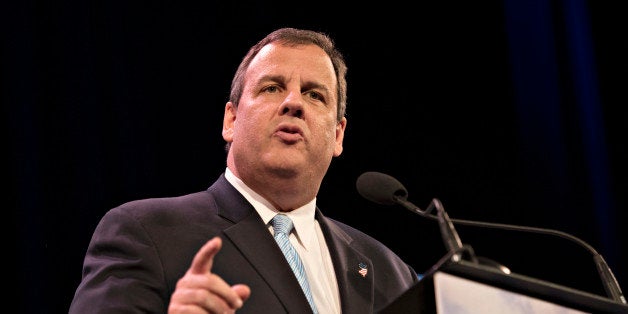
[[507, 111]]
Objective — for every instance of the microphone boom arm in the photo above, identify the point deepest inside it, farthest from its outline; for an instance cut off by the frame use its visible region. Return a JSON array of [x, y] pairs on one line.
[[386, 190], [611, 286]]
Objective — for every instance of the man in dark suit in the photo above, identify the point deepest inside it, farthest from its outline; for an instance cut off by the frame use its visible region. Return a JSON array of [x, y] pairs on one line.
[[213, 251]]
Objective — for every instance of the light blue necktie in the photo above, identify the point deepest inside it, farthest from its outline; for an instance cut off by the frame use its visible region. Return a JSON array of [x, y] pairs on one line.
[[282, 225]]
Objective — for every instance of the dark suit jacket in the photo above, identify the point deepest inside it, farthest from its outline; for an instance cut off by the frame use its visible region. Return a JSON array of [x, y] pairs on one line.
[[140, 249]]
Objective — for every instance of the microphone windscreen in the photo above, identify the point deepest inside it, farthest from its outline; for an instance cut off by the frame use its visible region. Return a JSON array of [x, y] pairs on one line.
[[380, 188]]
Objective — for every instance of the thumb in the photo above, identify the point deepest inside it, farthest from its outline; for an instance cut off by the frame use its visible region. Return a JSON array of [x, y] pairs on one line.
[[204, 258], [243, 291]]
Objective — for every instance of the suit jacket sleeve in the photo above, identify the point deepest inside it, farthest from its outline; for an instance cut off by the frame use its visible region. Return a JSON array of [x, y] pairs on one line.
[[139, 250], [121, 270]]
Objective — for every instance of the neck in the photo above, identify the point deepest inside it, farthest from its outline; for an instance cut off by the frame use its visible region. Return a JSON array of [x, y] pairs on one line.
[[285, 191]]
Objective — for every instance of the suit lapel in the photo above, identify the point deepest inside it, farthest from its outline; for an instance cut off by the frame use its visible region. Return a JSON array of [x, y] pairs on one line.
[[257, 245], [251, 237], [356, 290]]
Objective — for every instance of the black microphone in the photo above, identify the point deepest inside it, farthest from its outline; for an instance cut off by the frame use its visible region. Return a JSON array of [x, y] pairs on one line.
[[383, 189], [389, 191]]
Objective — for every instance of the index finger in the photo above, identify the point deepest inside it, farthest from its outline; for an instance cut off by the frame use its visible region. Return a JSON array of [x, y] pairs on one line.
[[204, 258]]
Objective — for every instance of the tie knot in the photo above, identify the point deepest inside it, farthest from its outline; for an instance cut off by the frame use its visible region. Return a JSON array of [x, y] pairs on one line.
[[282, 224]]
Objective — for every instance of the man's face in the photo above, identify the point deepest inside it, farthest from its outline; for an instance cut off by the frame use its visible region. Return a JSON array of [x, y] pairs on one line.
[[286, 119]]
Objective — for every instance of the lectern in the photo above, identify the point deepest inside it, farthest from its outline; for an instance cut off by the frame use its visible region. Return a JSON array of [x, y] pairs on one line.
[[466, 287]]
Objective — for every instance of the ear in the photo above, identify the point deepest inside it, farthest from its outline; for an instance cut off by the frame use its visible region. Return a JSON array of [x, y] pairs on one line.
[[228, 122], [340, 135]]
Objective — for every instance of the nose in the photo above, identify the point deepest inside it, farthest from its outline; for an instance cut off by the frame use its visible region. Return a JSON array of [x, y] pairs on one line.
[[292, 105]]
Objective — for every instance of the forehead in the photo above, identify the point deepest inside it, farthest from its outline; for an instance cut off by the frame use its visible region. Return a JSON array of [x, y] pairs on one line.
[[308, 62]]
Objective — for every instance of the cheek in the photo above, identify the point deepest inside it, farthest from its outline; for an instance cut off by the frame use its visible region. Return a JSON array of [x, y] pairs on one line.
[[250, 124], [329, 132], [246, 119]]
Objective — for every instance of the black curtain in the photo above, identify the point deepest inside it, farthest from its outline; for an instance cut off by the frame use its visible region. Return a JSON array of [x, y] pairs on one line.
[[507, 111]]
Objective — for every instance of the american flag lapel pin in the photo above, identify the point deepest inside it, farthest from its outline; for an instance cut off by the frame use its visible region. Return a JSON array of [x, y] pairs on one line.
[[363, 270]]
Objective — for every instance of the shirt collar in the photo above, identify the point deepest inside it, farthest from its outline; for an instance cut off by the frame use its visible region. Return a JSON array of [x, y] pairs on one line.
[[302, 217]]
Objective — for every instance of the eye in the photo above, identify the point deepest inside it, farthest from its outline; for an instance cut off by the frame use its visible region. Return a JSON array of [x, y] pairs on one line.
[[316, 96], [271, 89]]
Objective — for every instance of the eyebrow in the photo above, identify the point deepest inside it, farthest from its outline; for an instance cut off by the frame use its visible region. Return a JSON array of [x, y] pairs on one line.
[[308, 85]]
